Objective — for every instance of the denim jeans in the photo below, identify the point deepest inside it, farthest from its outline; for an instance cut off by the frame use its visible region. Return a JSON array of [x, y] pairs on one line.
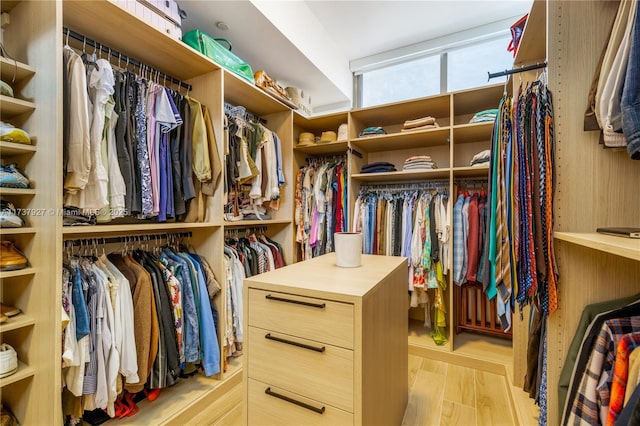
[[630, 102]]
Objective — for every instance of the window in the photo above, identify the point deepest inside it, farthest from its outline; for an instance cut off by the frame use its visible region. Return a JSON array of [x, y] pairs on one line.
[[468, 66], [451, 69], [398, 82]]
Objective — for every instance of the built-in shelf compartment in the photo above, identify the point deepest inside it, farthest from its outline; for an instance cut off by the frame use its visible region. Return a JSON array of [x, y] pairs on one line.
[[13, 148], [18, 273], [134, 228], [619, 246], [24, 371], [10, 69], [402, 176], [10, 107], [16, 322]]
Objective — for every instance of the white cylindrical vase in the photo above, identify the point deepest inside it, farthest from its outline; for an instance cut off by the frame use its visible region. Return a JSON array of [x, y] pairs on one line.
[[348, 249]]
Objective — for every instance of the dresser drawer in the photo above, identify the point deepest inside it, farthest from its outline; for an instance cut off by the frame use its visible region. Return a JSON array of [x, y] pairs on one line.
[[314, 319], [318, 371], [270, 405]]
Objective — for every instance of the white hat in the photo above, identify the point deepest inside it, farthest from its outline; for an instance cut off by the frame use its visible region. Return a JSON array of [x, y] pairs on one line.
[[342, 132]]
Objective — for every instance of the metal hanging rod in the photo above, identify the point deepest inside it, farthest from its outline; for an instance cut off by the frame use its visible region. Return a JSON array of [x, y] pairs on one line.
[[406, 186], [517, 70], [237, 231], [242, 112], [128, 238], [326, 158], [121, 56]]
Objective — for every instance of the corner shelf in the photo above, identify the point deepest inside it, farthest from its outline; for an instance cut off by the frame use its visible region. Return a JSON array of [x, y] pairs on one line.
[[18, 231], [8, 67], [239, 91], [16, 322], [12, 106], [18, 273], [17, 191], [24, 371], [14, 148], [618, 246]]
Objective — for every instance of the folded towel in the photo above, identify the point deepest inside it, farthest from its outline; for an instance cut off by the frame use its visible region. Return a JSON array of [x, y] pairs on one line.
[[481, 156], [426, 126], [378, 167]]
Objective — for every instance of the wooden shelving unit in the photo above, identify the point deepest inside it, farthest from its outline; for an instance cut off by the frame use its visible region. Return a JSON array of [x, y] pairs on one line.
[[618, 246], [323, 148], [10, 69], [12, 106], [18, 231], [17, 322], [19, 273], [24, 372], [471, 172], [12, 148], [137, 228], [403, 140], [17, 191], [401, 176], [248, 223]]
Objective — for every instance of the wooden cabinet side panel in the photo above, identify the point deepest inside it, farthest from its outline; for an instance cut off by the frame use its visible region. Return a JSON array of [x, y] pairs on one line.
[[384, 351]]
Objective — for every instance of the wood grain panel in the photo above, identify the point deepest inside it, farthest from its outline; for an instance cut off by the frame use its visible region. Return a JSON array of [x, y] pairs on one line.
[[492, 399], [414, 364], [425, 402], [332, 325], [267, 410], [457, 414], [458, 385], [323, 376]]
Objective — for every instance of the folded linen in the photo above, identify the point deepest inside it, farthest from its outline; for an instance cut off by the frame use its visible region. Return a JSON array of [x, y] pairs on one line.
[[418, 122]]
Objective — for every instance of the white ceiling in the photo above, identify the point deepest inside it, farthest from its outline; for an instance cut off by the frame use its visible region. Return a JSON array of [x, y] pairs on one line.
[[311, 44]]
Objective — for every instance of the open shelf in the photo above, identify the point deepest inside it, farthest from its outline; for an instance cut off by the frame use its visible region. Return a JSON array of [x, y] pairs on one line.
[[404, 140], [134, 227], [13, 148], [323, 148], [18, 273], [320, 123], [10, 107], [23, 372], [473, 132], [619, 246], [17, 191], [533, 42], [130, 35], [480, 171], [9, 68], [398, 112], [18, 231], [173, 402], [402, 176], [16, 322], [239, 92]]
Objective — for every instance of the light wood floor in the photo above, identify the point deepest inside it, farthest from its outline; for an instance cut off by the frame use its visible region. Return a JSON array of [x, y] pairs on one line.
[[447, 394]]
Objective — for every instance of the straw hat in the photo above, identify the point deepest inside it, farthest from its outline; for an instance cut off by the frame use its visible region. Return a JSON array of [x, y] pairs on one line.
[[328, 136], [306, 138]]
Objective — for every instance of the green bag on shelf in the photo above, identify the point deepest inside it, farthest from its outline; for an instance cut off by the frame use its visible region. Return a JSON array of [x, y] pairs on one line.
[[210, 48]]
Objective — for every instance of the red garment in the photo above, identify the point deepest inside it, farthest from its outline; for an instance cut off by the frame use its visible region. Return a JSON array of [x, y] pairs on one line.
[[339, 206], [472, 239], [620, 374]]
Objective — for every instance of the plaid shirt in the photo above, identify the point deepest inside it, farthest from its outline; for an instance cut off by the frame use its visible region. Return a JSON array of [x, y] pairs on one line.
[[620, 374], [590, 401]]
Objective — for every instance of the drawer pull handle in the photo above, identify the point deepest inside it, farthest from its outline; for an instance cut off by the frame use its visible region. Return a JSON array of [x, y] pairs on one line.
[[268, 391], [297, 302], [291, 342]]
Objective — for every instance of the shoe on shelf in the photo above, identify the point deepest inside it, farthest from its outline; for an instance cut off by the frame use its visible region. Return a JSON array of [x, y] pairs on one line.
[[11, 177], [11, 258], [8, 360], [8, 216], [7, 418], [9, 133], [8, 310]]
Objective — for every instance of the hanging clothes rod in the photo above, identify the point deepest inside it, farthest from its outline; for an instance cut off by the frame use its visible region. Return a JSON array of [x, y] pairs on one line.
[[405, 186], [250, 229], [128, 238], [242, 112], [517, 70], [121, 56], [326, 158]]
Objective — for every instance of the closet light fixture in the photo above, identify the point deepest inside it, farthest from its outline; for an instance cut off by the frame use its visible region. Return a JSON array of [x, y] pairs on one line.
[[222, 25]]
